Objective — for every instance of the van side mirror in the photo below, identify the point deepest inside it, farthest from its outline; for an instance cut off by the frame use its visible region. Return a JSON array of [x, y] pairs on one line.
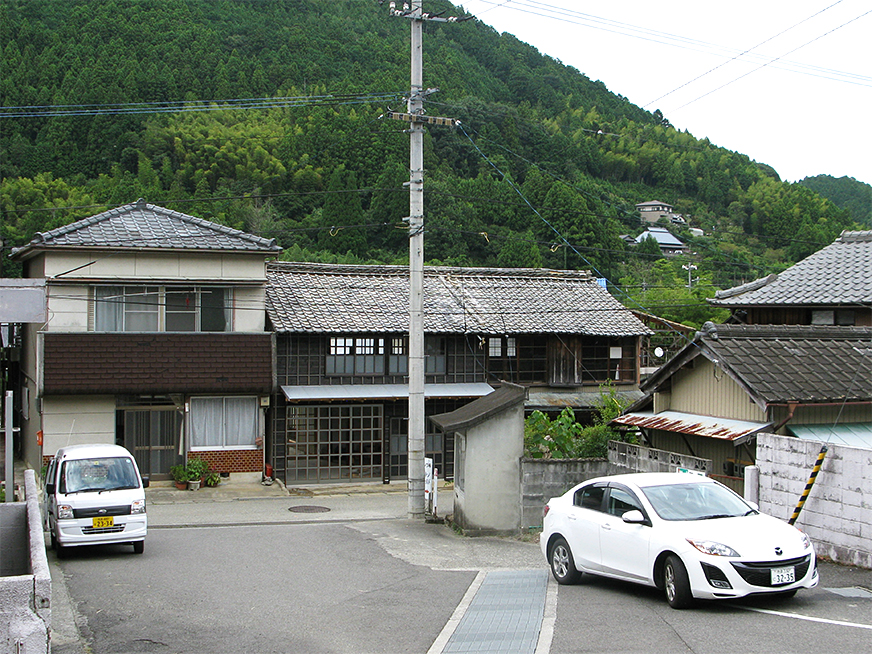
[[145, 481], [49, 489]]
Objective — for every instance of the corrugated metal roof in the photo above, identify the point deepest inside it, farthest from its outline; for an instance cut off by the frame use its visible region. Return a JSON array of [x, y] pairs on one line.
[[858, 434], [380, 391], [736, 431], [839, 274], [319, 298]]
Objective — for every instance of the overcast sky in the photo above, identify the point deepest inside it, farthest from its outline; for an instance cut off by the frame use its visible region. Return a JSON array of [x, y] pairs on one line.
[[786, 82]]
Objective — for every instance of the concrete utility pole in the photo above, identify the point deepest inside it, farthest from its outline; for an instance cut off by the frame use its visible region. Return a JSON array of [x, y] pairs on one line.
[[416, 119]]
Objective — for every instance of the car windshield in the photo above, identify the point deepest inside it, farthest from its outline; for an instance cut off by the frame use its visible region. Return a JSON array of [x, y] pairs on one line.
[[94, 475], [697, 501]]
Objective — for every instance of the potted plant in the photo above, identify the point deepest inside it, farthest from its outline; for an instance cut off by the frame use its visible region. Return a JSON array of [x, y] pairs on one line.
[[212, 479], [180, 476], [198, 469]]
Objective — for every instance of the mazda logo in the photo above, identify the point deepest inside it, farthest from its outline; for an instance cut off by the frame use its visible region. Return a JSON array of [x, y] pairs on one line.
[[778, 551]]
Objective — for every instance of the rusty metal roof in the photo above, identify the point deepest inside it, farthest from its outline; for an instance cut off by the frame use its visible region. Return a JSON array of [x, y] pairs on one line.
[[736, 431]]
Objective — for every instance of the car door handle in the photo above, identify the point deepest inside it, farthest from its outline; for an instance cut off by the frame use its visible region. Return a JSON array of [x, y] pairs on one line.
[[571, 516], [606, 525]]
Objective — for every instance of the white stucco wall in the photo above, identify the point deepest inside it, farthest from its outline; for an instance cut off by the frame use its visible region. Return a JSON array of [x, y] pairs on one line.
[[837, 514], [489, 499], [73, 420]]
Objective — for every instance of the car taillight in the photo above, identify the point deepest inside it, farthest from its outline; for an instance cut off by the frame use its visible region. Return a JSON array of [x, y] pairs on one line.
[[545, 510]]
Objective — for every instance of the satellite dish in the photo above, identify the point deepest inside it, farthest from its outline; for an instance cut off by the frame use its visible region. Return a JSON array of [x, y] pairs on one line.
[[658, 352]]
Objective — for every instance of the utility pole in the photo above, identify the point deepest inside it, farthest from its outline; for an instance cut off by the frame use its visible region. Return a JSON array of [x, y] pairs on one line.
[[416, 119]]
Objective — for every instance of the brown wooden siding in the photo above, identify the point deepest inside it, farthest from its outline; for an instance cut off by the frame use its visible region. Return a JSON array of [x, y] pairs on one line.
[[80, 363]]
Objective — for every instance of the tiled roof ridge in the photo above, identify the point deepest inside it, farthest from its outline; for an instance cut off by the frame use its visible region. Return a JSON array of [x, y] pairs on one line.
[[864, 236], [140, 204], [398, 270], [829, 332], [747, 287]]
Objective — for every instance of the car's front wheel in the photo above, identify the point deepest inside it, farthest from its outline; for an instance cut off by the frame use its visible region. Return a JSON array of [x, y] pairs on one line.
[[676, 583], [138, 546], [562, 564]]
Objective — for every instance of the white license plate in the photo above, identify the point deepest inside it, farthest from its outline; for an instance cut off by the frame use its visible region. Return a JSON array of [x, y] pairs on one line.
[[783, 576]]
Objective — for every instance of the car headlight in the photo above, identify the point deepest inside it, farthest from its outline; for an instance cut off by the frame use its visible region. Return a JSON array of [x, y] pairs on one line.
[[65, 512], [138, 506], [806, 543], [712, 547]]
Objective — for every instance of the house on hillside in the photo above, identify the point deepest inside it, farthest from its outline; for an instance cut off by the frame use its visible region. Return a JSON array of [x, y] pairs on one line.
[[341, 410], [653, 211], [669, 244], [831, 287], [155, 340], [732, 382]]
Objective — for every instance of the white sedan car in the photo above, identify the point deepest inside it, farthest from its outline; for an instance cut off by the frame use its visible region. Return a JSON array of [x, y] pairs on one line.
[[685, 534]]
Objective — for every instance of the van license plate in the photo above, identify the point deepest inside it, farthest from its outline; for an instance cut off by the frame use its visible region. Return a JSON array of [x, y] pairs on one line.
[[783, 576], [103, 522]]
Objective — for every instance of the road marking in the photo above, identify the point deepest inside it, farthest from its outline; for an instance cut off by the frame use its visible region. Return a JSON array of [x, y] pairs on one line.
[[809, 618]]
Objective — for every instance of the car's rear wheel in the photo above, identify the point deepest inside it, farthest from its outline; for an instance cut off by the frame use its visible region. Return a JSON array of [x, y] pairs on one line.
[[676, 583], [562, 564]]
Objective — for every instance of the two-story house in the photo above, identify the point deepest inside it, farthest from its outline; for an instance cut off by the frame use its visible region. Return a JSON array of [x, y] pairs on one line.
[[833, 286], [155, 340], [341, 357]]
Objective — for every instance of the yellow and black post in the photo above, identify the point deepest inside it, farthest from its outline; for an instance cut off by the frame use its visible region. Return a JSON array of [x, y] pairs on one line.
[[814, 473]]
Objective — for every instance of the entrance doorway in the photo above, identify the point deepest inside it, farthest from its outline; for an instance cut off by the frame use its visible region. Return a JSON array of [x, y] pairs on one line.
[[153, 436]]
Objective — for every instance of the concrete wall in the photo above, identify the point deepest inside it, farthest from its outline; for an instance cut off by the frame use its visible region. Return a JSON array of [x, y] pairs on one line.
[[486, 496], [73, 420], [25, 582], [543, 479], [837, 515]]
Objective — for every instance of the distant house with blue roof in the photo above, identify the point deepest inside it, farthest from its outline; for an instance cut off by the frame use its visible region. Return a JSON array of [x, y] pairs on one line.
[[668, 242]]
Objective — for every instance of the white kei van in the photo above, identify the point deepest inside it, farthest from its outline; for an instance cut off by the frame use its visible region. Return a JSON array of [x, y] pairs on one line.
[[94, 495]]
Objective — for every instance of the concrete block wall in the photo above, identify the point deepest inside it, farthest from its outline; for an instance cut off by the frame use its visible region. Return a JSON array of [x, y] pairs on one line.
[[837, 515], [542, 479], [25, 583]]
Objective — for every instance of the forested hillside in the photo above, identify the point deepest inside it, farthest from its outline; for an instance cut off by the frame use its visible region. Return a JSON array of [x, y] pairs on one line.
[[845, 192], [269, 117]]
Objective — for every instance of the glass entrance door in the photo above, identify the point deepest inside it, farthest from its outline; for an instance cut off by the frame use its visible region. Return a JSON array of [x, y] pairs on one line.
[[152, 435]]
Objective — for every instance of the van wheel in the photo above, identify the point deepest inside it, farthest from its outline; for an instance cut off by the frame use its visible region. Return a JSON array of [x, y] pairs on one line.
[[139, 547]]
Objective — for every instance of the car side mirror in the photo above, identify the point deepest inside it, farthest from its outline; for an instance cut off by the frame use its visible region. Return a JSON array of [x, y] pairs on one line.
[[49, 489], [633, 517], [145, 481]]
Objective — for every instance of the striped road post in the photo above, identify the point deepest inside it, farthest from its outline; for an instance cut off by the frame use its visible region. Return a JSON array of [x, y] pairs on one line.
[[814, 472]]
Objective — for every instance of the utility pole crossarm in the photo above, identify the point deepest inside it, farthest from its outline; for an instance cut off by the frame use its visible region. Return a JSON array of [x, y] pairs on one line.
[[423, 118]]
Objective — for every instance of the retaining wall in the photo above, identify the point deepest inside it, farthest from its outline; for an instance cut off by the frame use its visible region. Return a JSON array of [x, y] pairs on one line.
[[837, 515], [542, 479], [25, 582]]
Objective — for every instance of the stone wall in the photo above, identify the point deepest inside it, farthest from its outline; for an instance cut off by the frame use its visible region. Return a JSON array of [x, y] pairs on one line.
[[837, 514]]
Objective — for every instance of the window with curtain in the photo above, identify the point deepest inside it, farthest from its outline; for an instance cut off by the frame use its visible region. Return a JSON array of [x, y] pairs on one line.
[[162, 308], [223, 422]]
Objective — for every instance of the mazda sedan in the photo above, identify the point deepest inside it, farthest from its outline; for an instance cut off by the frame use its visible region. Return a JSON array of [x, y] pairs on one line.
[[683, 533]]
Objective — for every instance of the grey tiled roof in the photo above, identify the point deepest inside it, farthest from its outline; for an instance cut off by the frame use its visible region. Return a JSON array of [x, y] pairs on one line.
[[841, 273], [789, 363], [355, 299], [146, 226]]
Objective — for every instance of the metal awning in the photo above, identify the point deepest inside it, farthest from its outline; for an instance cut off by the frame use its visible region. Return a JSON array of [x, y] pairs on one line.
[[736, 431], [380, 392], [857, 434]]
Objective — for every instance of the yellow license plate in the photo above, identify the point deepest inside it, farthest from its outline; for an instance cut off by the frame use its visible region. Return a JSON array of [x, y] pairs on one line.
[[103, 522]]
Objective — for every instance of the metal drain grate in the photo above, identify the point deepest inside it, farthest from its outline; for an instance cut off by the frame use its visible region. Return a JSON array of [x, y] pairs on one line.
[[308, 509]]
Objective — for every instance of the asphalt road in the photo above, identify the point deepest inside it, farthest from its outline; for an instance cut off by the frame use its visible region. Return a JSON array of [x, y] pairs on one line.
[[358, 577]]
